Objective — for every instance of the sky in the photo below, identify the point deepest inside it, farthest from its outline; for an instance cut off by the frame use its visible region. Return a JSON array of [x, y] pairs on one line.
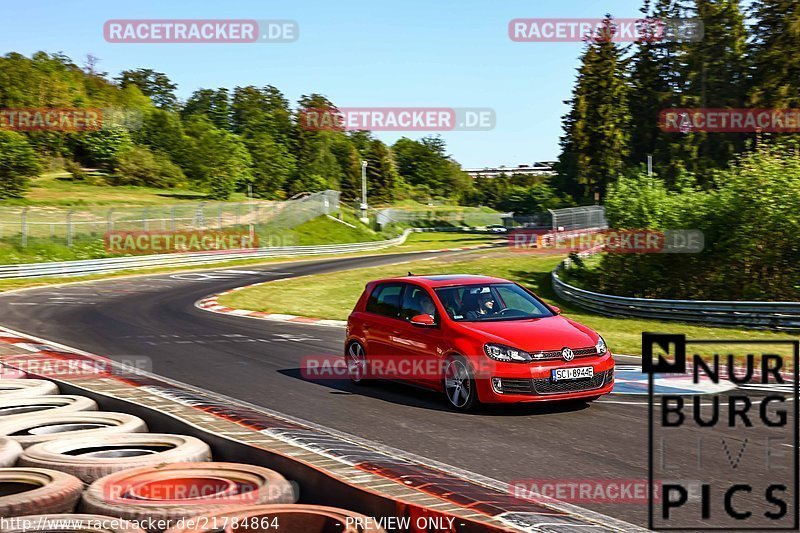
[[415, 53]]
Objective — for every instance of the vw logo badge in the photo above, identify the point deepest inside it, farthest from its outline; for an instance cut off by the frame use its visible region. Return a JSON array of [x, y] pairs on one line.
[[567, 354]]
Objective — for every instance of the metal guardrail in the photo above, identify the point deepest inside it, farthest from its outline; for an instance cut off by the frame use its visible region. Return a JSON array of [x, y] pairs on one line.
[[756, 315], [116, 264]]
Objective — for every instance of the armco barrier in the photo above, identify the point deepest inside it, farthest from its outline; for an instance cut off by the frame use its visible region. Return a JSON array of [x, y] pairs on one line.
[[116, 264], [759, 315]]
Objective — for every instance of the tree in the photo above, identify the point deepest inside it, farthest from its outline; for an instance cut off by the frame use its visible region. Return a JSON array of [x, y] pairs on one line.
[[102, 147], [162, 131], [776, 71], [425, 163], [18, 163], [715, 76], [596, 137], [139, 166], [214, 159], [213, 104], [155, 85], [272, 164], [382, 178]]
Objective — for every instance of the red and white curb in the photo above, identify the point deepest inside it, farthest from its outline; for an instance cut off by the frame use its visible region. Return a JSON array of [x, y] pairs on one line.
[[211, 303]]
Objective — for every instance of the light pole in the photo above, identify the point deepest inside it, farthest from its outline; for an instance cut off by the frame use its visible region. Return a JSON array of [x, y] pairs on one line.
[[364, 217]]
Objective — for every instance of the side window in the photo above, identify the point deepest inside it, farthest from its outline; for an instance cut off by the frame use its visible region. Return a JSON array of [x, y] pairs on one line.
[[416, 301], [385, 300]]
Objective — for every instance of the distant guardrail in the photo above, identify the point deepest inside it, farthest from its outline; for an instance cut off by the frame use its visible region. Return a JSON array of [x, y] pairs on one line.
[[756, 315], [116, 264]]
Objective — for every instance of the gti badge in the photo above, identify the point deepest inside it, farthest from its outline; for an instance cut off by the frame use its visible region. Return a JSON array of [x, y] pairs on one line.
[[567, 354]]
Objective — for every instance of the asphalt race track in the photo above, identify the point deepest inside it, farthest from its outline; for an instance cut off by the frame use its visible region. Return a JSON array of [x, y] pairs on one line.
[[258, 361]]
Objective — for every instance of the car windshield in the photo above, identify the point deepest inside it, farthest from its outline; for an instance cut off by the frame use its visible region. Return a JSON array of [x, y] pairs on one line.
[[491, 302]]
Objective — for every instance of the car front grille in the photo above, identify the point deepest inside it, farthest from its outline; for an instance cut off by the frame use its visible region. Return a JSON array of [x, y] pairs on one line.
[[546, 386], [556, 354]]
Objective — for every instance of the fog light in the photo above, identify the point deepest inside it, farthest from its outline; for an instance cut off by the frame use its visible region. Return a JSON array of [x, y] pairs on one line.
[[497, 385]]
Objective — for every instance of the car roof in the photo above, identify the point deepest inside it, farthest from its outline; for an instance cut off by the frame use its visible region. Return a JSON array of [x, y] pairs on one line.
[[445, 280]]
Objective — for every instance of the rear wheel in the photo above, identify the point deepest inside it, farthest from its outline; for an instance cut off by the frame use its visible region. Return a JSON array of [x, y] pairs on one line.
[[356, 363], [459, 385]]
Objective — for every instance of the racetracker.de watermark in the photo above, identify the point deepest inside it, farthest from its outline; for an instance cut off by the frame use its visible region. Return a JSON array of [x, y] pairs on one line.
[[575, 30], [67, 119], [398, 118], [160, 242], [170, 31], [615, 491], [61, 365], [606, 241], [719, 120]]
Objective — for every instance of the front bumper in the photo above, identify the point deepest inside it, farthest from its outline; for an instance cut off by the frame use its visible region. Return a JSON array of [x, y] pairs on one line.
[[514, 383]]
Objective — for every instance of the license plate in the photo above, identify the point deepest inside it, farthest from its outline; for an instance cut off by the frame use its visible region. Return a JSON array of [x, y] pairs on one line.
[[578, 372]]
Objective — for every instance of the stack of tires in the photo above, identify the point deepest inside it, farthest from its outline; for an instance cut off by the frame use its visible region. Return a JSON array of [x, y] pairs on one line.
[[60, 454]]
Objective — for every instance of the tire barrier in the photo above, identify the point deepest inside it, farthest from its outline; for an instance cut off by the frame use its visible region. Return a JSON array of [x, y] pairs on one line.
[[42, 428], [266, 518], [26, 388], [330, 469], [56, 404], [10, 451], [64, 523], [90, 458], [37, 490], [183, 490], [9, 372]]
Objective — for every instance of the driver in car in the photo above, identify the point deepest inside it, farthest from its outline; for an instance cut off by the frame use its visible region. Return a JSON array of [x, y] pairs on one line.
[[486, 307]]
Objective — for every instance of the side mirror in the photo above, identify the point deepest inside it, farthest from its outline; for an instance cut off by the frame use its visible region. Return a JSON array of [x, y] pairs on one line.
[[556, 310], [423, 320]]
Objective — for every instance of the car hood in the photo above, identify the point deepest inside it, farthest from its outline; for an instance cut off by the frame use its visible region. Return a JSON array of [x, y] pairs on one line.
[[550, 333]]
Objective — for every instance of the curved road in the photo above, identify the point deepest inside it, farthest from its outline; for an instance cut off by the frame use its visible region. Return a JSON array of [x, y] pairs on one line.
[[258, 361]]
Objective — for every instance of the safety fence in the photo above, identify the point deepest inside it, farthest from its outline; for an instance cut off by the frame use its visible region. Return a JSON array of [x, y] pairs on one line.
[[757, 315], [116, 264], [68, 225], [436, 217]]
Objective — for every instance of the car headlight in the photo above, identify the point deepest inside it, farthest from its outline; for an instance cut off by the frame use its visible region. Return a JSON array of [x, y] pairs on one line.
[[601, 346], [500, 352]]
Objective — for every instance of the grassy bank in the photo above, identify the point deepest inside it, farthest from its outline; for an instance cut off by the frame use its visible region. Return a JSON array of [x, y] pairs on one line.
[[415, 242], [333, 296]]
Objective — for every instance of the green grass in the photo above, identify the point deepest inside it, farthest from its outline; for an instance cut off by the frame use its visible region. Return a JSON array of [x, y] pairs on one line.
[[58, 189], [323, 230], [320, 230], [333, 296]]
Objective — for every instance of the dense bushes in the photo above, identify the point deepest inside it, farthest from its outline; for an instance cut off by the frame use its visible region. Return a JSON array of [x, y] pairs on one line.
[[751, 224], [139, 166], [18, 162]]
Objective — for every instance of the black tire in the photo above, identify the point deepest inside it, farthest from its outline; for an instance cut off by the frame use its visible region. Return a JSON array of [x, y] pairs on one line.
[[458, 381], [356, 369]]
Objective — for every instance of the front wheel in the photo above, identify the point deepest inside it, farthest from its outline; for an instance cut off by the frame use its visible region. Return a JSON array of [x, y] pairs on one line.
[[459, 385]]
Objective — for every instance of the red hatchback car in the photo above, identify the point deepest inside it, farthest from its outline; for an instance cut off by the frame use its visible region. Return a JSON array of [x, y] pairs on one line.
[[475, 338]]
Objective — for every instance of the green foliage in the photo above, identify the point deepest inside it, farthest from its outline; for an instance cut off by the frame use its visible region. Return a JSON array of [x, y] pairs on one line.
[[425, 164], [214, 159], [596, 137], [18, 162], [155, 85], [750, 224], [536, 198], [139, 166], [102, 148], [75, 170], [273, 164]]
